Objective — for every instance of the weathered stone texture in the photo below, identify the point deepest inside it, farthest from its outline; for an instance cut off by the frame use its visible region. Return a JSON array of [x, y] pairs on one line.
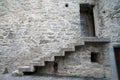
[[33, 28], [79, 63], [108, 21], [9, 77]]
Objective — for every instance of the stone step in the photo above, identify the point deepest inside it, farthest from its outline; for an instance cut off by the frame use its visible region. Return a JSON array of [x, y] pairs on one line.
[[26, 68], [41, 61], [49, 58], [68, 49], [60, 53], [72, 45], [37, 60], [38, 63], [95, 39], [79, 43]]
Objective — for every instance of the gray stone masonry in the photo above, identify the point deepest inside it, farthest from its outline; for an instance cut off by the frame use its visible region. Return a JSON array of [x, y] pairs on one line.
[[44, 32]]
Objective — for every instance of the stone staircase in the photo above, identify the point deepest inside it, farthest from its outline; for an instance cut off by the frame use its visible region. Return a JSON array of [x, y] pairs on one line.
[[51, 58]]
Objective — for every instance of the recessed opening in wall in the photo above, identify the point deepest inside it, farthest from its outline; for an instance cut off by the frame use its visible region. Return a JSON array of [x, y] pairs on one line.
[[117, 59], [87, 20], [66, 5], [55, 67], [95, 57]]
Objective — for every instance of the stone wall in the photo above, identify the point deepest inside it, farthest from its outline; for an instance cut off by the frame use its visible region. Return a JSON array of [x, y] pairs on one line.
[[29, 29], [109, 19], [79, 63], [32, 28]]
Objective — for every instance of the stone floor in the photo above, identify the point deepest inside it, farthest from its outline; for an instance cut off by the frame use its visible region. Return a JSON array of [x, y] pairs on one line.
[[9, 77]]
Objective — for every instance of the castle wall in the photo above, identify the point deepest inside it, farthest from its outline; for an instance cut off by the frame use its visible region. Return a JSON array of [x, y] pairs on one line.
[[32, 28], [29, 29], [109, 20], [79, 63]]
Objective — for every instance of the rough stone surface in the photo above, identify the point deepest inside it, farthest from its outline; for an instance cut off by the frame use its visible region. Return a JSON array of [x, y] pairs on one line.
[[17, 73], [79, 63], [34, 28], [108, 21], [9, 77]]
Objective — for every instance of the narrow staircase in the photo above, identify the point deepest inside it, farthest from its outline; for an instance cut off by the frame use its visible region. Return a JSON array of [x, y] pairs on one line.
[[51, 58]]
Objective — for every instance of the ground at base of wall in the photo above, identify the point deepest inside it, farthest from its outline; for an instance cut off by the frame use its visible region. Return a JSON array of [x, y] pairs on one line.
[[9, 77]]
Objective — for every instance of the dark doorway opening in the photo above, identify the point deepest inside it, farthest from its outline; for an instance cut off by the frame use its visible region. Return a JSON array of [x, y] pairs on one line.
[[117, 57], [87, 20]]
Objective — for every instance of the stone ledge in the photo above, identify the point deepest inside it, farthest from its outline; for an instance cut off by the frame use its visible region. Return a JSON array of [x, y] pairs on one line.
[[26, 68], [95, 39]]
